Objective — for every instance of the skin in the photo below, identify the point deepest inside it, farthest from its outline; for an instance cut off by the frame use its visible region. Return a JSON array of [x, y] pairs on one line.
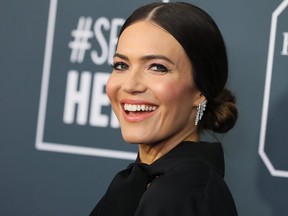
[[151, 68]]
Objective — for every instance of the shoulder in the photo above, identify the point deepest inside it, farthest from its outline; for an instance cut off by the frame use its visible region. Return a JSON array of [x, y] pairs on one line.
[[189, 186], [190, 176], [187, 179]]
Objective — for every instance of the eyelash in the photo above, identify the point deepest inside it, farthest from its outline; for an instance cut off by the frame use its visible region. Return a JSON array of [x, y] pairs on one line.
[[160, 68], [123, 66]]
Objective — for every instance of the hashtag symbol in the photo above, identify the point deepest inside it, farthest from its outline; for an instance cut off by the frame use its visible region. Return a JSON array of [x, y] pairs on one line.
[[81, 36]]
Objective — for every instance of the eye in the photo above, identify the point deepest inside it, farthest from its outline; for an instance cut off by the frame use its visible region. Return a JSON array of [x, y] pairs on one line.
[[120, 66], [158, 68]]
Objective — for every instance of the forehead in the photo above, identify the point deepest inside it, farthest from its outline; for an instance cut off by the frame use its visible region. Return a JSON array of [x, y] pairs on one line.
[[145, 36]]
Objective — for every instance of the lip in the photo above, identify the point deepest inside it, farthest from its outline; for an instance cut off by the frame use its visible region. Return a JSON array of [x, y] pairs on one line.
[[137, 116]]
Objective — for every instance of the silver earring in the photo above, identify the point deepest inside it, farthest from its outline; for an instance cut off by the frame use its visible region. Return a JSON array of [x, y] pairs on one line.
[[200, 110]]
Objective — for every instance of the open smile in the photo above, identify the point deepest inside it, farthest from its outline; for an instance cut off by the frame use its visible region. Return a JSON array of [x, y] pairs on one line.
[[138, 107], [137, 112]]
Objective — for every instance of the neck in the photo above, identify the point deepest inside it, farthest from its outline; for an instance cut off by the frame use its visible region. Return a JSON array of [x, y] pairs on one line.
[[148, 153]]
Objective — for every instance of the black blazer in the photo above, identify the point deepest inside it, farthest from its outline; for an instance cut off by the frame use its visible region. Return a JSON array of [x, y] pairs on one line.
[[187, 181]]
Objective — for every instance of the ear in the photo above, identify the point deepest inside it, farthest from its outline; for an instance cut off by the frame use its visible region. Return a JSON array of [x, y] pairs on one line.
[[199, 100]]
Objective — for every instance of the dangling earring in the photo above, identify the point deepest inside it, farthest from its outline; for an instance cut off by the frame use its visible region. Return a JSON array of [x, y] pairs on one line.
[[200, 110]]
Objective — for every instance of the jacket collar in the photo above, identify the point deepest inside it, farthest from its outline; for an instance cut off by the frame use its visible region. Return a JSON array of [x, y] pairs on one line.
[[211, 153]]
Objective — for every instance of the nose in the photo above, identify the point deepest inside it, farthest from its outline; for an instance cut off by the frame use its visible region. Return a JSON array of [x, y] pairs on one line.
[[134, 82]]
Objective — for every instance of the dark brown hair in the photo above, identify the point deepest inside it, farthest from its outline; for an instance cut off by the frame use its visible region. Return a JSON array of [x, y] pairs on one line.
[[203, 43]]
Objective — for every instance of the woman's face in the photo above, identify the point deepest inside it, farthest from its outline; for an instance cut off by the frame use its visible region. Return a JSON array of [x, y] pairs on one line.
[[151, 87]]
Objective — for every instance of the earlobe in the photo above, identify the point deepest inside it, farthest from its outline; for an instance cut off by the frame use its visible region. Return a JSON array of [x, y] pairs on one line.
[[199, 100]]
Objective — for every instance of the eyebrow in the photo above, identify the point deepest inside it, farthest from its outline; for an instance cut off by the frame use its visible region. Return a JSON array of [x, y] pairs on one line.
[[147, 57]]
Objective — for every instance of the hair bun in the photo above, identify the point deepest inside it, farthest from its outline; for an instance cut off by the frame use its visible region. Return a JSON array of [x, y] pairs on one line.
[[221, 114]]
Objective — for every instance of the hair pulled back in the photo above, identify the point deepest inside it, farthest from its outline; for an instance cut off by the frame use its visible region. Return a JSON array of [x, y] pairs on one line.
[[202, 41]]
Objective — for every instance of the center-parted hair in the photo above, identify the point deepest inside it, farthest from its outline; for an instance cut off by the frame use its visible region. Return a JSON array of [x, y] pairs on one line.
[[203, 43]]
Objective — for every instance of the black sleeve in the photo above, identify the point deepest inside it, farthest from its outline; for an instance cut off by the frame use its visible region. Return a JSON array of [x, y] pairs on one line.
[[219, 198]]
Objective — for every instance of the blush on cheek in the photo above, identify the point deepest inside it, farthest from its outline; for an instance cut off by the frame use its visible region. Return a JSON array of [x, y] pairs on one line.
[[174, 93], [109, 89]]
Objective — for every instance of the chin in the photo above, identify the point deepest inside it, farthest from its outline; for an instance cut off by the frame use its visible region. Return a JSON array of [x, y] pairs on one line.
[[131, 141], [132, 135], [135, 139]]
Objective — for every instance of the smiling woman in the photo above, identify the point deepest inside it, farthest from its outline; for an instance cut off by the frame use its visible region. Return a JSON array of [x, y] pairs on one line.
[[151, 69], [167, 86]]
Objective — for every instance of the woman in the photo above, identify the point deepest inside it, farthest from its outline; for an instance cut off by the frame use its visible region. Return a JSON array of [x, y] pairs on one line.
[[167, 86]]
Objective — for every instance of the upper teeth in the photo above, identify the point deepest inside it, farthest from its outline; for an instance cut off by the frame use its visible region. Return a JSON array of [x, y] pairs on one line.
[[133, 107]]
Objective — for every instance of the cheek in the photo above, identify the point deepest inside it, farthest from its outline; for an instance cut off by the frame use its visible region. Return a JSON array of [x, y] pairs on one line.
[[111, 88], [173, 92]]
